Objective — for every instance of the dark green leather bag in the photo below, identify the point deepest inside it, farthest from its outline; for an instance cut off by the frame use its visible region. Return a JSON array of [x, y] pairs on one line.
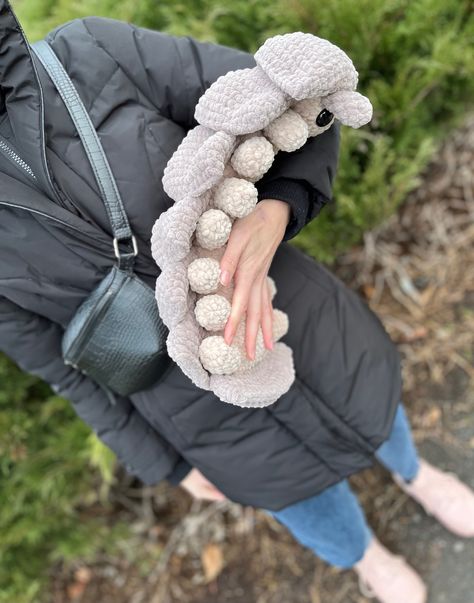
[[116, 336]]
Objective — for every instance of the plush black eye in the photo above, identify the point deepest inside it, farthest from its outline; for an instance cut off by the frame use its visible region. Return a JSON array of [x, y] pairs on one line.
[[324, 118]]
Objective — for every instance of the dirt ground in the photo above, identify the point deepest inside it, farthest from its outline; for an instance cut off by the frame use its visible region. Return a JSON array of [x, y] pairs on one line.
[[415, 272]]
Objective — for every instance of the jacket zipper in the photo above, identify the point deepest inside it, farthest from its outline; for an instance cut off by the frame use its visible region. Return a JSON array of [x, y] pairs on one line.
[[8, 151], [14, 158], [43, 147], [44, 161]]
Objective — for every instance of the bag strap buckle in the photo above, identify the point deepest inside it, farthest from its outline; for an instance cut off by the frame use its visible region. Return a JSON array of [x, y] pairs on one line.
[[125, 260]]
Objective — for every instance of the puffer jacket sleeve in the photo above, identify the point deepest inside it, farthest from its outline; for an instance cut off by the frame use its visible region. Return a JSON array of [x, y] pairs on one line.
[[312, 166], [34, 343], [296, 194], [174, 71]]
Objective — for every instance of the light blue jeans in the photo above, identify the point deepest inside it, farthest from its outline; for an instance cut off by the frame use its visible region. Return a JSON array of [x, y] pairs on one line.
[[333, 523]]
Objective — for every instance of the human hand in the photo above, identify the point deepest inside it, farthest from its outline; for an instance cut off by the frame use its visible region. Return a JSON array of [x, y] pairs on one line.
[[252, 244], [199, 487]]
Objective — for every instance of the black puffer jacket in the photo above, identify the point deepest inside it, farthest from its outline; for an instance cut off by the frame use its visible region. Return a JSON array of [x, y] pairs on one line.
[[140, 88]]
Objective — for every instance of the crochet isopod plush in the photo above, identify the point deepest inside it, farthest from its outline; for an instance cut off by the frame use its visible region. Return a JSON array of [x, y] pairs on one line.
[[300, 84]]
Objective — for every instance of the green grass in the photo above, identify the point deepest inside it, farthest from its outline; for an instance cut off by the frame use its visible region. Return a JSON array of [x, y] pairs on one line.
[[52, 471]]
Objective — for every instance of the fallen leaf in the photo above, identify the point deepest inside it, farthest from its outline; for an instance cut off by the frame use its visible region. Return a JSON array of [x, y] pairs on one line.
[[212, 560], [368, 291], [83, 574], [431, 417], [82, 577]]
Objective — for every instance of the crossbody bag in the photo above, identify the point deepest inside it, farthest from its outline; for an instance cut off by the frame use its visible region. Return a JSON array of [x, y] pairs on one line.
[[116, 336]]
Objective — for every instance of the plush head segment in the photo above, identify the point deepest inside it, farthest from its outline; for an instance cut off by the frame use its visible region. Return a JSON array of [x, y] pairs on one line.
[[305, 66], [290, 67]]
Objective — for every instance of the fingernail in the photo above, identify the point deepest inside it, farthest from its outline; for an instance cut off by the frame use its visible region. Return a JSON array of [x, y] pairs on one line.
[[224, 277]]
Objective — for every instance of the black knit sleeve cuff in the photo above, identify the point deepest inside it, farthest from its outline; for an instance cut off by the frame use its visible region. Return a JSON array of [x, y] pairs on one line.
[[296, 194], [180, 471]]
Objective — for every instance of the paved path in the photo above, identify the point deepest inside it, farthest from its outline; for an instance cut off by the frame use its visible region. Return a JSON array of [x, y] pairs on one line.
[[446, 562]]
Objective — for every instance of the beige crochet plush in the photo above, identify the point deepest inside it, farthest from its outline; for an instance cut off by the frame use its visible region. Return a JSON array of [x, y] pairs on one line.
[[300, 84]]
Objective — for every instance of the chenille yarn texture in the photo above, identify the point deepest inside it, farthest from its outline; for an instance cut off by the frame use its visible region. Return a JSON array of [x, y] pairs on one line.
[[301, 83]]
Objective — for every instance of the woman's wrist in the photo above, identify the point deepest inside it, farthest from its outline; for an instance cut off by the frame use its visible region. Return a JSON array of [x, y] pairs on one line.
[[277, 210]]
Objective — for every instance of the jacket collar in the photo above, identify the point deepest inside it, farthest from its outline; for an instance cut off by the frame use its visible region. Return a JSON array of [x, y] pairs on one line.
[[21, 97]]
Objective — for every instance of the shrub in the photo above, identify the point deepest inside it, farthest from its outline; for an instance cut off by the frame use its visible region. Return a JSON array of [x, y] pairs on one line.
[[47, 482]]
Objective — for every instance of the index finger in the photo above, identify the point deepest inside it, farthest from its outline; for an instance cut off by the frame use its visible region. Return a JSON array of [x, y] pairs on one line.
[[240, 299]]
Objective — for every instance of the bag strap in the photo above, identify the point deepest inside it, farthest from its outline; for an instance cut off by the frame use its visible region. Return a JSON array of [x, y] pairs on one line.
[[95, 153]]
